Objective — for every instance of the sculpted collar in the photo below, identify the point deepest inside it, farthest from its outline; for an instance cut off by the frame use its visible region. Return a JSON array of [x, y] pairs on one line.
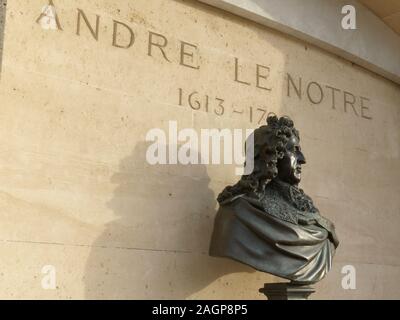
[[287, 202], [293, 194]]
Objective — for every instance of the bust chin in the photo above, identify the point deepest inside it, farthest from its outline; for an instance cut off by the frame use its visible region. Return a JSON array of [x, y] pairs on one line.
[[266, 221]]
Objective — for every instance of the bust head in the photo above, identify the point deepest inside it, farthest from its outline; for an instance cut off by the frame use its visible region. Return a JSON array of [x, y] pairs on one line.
[[277, 155]]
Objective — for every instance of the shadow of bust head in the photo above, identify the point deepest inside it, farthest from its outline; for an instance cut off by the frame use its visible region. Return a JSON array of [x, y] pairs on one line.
[[266, 221]]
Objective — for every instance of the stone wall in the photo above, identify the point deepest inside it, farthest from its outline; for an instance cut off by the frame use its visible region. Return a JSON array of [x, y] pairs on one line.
[[3, 5], [78, 194]]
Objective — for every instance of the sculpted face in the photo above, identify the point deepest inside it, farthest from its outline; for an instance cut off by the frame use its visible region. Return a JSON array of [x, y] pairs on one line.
[[289, 167]]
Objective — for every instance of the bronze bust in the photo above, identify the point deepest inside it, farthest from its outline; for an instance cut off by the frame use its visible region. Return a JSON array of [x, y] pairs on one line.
[[266, 221]]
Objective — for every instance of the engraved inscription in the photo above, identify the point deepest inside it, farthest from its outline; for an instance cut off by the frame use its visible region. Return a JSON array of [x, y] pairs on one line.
[[220, 107], [244, 74]]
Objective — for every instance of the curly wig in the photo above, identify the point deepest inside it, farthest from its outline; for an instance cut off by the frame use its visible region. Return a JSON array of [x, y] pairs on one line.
[[269, 146]]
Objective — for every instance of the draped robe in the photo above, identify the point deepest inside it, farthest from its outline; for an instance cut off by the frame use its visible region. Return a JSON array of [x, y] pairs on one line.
[[282, 234]]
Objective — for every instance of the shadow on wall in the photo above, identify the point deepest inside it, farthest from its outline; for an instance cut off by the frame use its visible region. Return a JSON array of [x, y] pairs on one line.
[[3, 6], [157, 248]]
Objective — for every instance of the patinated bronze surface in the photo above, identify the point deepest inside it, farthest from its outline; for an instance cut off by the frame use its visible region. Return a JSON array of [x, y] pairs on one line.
[[266, 221]]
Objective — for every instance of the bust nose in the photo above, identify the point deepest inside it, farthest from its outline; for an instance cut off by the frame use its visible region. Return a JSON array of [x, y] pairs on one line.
[[300, 158]]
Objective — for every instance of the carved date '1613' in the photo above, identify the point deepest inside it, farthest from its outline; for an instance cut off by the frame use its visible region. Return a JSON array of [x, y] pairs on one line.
[[205, 103]]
